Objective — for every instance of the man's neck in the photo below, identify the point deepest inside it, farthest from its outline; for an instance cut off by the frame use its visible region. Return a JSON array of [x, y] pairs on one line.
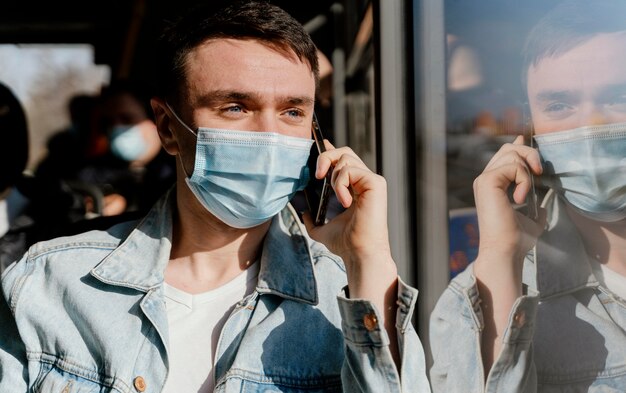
[[206, 253]]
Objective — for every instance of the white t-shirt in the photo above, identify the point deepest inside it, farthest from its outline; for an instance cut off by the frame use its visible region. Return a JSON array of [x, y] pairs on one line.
[[195, 324]]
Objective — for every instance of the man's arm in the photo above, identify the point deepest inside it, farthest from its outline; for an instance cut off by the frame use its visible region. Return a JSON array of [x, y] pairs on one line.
[[13, 363], [506, 236], [368, 365], [360, 237], [482, 328], [456, 328]]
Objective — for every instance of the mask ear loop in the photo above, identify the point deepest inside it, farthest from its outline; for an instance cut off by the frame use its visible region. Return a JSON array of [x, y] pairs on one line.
[[178, 119]]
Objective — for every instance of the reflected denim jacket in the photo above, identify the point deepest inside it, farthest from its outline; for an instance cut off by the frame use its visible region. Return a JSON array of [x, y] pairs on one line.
[[87, 314], [566, 334]]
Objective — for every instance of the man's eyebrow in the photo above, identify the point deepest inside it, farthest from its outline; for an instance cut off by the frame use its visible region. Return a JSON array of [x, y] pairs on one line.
[[556, 95], [218, 96], [302, 100], [611, 90], [569, 95]]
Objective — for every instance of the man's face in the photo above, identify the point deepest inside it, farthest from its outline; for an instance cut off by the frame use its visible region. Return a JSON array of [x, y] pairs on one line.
[[584, 86], [244, 85]]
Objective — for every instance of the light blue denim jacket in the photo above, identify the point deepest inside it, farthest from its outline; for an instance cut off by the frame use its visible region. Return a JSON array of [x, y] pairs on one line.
[[87, 314], [566, 334]]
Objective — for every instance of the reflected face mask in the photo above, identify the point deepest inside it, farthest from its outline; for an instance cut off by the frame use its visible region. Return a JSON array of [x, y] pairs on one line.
[[244, 178], [587, 168]]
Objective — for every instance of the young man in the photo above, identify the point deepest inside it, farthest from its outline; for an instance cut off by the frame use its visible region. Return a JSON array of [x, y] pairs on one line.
[[219, 288], [545, 309]]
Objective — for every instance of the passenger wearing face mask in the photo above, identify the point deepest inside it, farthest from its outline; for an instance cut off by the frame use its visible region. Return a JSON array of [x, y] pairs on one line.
[[543, 307], [136, 171]]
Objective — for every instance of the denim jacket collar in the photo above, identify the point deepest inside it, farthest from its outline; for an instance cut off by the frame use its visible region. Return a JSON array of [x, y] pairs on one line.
[[561, 262], [139, 262], [286, 262]]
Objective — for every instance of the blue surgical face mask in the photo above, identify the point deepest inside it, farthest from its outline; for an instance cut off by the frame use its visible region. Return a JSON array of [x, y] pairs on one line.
[[244, 178], [127, 143], [587, 168]]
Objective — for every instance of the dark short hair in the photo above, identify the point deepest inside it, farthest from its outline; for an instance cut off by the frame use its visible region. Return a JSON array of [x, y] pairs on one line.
[[256, 20], [14, 134], [570, 24], [133, 87]]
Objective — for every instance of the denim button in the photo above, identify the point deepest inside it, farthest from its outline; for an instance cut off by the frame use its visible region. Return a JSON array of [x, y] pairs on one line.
[[140, 384], [370, 321]]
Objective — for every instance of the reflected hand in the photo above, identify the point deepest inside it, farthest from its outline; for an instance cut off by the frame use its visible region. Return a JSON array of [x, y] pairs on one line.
[[504, 231], [506, 235]]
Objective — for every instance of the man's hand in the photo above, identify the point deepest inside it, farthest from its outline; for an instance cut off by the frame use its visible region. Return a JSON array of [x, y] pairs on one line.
[[506, 235], [359, 235], [504, 231]]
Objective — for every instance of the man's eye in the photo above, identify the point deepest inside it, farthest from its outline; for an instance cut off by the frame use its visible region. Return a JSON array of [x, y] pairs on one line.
[[618, 103], [556, 107], [295, 113], [233, 108]]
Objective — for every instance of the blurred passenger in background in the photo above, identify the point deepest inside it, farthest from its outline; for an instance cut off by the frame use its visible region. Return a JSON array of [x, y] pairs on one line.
[[132, 172], [31, 208], [136, 171], [69, 149]]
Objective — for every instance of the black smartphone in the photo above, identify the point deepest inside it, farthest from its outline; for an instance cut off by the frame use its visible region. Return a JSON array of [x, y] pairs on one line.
[[531, 209], [531, 198], [317, 192]]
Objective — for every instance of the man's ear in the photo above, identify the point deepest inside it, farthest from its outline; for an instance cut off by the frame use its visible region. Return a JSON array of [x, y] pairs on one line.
[[164, 126]]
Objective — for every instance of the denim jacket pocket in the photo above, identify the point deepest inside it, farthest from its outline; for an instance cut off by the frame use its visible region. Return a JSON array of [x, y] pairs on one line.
[[54, 380], [241, 381], [256, 387]]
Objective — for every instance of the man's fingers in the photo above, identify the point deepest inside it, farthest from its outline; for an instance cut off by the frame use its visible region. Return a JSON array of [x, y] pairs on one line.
[[341, 184], [332, 157], [511, 154], [502, 177], [350, 181], [517, 149], [523, 184]]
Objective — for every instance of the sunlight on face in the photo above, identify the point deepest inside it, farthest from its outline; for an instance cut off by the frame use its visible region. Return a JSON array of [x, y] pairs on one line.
[[245, 85]]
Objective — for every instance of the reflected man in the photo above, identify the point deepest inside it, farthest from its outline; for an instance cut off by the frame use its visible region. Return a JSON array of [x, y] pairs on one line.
[[543, 307]]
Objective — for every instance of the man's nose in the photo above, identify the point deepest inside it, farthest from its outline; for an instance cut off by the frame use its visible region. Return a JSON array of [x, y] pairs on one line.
[[265, 121]]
